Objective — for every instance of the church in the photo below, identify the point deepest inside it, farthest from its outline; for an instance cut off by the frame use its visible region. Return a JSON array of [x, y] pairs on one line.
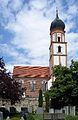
[[38, 77]]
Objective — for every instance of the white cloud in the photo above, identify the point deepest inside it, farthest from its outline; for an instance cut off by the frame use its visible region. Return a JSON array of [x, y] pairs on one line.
[[38, 4], [9, 68], [12, 52], [15, 5], [72, 39], [31, 28]]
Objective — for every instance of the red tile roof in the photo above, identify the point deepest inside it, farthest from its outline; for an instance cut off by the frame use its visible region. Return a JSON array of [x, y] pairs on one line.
[[33, 72]]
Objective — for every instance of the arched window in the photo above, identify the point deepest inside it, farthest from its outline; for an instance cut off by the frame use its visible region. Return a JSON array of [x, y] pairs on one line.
[[59, 49], [44, 85], [58, 39], [33, 85]]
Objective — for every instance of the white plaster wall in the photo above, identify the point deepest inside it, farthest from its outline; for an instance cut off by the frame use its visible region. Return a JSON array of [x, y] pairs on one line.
[[63, 60], [56, 60], [49, 83], [56, 48]]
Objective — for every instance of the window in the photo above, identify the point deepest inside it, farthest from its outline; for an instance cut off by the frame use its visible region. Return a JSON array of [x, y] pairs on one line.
[[44, 85], [22, 87], [33, 85], [58, 39], [59, 49]]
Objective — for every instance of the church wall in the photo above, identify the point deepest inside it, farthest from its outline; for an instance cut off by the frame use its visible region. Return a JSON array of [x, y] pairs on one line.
[[30, 103], [33, 85]]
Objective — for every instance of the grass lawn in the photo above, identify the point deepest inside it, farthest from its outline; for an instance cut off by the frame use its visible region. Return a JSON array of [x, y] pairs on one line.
[[35, 117], [39, 117], [30, 117], [71, 118]]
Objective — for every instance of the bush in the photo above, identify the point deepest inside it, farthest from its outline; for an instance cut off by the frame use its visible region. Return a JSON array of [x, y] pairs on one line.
[[38, 117], [30, 117], [14, 118]]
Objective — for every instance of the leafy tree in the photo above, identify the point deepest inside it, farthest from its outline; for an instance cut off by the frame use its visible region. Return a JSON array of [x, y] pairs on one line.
[[64, 90], [9, 88], [74, 71], [40, 100]]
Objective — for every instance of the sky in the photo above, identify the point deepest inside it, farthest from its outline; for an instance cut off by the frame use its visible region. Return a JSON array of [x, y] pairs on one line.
[[25, 30]]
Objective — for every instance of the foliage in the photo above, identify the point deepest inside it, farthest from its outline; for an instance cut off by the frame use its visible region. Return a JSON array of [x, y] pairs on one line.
[[71, 118], [40, 100], [30, 117], [37, 117], [9, 88], [47, 102], [64, 90], [14, 118]]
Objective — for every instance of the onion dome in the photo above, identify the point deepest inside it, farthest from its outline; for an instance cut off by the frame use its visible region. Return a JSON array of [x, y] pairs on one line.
[[57, 23]]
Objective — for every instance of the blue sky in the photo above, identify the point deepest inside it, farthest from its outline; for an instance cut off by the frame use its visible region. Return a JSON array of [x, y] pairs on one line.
[[25, 28]]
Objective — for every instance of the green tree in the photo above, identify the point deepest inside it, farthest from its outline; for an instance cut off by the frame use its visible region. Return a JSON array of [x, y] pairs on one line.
[[9, 88], [47, 102], [74, 71], [40, 100], [64, 90]]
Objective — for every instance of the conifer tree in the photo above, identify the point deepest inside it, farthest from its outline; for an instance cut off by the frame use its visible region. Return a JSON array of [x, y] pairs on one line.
[[40, 98]]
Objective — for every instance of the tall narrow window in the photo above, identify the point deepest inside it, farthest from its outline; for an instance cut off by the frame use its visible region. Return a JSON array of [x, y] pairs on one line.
[[44, 85], [58, 39], [59, 49], [33, 85]]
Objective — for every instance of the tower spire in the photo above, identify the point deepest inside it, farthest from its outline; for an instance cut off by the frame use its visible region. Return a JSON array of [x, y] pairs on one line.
[[57, 13]]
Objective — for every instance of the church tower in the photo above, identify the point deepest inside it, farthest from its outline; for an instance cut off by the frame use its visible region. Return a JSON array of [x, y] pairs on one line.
[[58, 45]]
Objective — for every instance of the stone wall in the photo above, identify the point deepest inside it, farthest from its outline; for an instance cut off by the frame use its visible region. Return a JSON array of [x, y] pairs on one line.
[[30, 103]]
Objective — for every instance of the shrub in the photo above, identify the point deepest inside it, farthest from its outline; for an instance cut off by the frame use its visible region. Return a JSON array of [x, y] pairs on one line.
[[14, 118], [30, 117]]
